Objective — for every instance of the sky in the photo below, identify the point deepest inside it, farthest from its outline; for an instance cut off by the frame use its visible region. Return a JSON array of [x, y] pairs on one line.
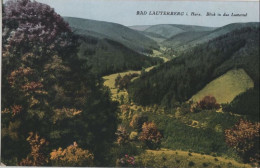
[[124, 11]]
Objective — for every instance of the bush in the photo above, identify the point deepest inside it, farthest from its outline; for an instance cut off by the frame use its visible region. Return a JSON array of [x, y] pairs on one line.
[[150, 135], [133, 136], [207, 103], [126, 161], [205, 164], [191, 163], [37, 157], [71, 156], [244, 138], [123, 82], [122, 135], [137, 121]]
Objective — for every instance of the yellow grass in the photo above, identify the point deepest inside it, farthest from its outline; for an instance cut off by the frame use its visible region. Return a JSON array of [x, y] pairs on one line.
[[226, 87], [110, 82], [184, 157]]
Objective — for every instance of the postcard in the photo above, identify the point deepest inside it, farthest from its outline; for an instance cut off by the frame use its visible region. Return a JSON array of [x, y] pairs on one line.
[[128, 83]]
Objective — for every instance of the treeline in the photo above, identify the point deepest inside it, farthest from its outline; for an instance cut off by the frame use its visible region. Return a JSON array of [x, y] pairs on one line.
[[187, 74], [106, 56]]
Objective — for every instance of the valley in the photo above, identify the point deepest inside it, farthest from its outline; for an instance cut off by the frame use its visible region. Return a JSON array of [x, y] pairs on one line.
[[205, 128], [81, 92]]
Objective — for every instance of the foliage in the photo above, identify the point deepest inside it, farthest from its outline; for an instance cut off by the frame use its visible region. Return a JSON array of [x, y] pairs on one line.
[[133, 136], [47, 88], [244, 138], [150, 135], [123, 82], [38, 156], [207, 103], [188, 73], [122, 135], [126, 161], [137, 121], [246, 103], [71, 156], [106, 56], [202, 138]]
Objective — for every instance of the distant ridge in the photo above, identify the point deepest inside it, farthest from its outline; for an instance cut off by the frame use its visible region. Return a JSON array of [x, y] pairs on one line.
[[131, 38]]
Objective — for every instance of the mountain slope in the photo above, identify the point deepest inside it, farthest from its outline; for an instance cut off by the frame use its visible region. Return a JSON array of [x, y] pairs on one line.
[[187, 74], [169, 30], [129, 37], [226, 87], [106, 56], [183, 41]]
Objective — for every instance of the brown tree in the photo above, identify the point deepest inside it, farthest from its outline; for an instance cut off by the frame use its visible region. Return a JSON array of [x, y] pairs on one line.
[[207, 103], [150, 135], [37, 157], [244, 138]]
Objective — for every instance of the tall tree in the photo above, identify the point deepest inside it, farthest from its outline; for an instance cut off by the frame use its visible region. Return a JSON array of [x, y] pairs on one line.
[[46, 88]]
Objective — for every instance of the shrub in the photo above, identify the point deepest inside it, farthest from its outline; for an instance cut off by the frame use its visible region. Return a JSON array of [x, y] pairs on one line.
[[71, 156], [150, 135], [122, 135], [191, 163], [123, 82], [137, 121], [205, 164], [133, 136], [126, 161], [37, 157], [244, 138], [208, 103]]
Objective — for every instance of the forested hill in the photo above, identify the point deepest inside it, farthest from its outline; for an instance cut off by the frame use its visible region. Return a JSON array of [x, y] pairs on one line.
[[163, 32], [106, 56], [129, 37], [185, 75], [184, 40]]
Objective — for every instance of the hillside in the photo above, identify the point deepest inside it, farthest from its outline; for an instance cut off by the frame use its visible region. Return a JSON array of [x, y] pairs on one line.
[[169, 30], [106, 56], [177, 158], [187, 74], [140, 27], [130, 38], [183, 41], [226, 87]]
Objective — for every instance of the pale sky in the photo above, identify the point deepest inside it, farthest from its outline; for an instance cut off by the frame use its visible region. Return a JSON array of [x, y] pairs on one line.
[[124, 11]]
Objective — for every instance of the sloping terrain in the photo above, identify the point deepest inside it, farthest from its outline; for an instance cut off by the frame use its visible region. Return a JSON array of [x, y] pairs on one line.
[[226, 87], [106, 56], [187, 74], [183, 38], [183, 41], [177, 158], [169, 30], [130, 38]]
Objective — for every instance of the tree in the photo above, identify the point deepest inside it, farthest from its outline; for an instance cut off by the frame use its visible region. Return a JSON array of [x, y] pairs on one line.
[[150, 135], [37, 157], [47, 89], [208, 103], [137, 121], [122, 136], [244, 138]]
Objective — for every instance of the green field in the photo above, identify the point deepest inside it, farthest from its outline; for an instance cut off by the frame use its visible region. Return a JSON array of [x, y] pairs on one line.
[[226, 87]]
